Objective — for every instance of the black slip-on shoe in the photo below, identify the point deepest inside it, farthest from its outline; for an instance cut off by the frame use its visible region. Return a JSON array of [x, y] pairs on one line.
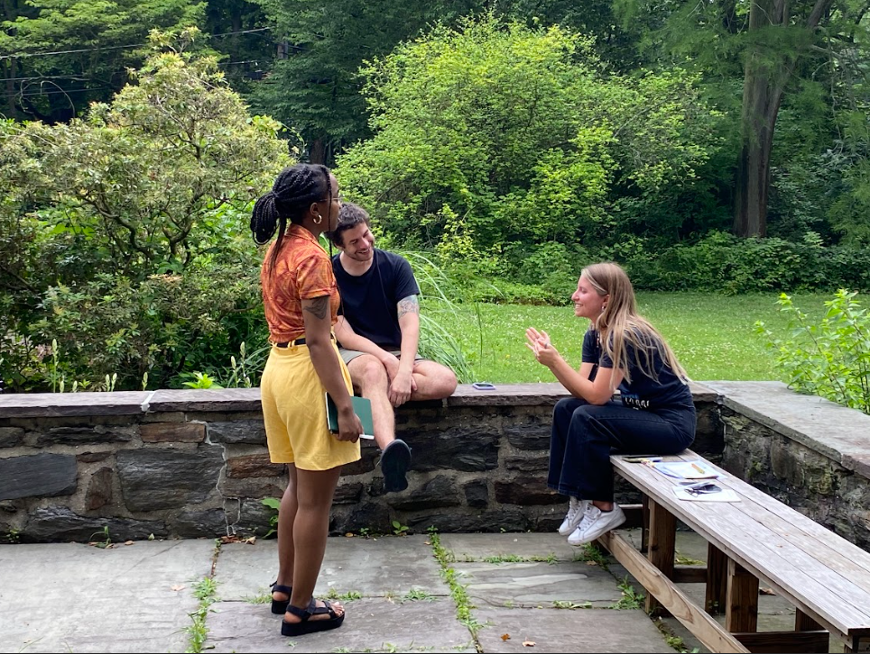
[[395, 460]]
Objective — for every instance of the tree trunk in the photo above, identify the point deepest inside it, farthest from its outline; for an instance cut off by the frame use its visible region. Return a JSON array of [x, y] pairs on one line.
[[761, 100], [7, 69], [317, 152], [765, 76]]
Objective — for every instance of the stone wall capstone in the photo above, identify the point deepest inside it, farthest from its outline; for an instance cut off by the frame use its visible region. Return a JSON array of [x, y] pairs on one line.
[[805, 451]]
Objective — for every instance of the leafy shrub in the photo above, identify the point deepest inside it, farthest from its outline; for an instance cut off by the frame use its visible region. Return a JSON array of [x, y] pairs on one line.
[[125, 232], [555, 267], [724, 263], [507, 292], [547, 274], [199, 380], [164, 325], [273, 503], [518, 134], [831, 359]]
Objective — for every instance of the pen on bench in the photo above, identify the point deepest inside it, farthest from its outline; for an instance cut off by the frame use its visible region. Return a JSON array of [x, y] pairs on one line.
[[699, 468], [694, 485]]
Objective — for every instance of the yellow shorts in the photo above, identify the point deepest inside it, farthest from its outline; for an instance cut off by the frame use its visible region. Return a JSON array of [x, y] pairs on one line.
[[294, 410]]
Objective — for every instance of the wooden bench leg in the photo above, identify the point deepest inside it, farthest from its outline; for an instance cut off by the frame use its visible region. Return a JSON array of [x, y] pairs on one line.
[[808, 635], [717, 574], [741, 601], [859, 644], [803, 622], [644, 532], [662, 548]]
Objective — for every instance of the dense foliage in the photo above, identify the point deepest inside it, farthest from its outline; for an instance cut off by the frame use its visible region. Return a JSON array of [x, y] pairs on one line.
[[510, 142], [830, 358], [60, 55], [129, 245], [500, 145]]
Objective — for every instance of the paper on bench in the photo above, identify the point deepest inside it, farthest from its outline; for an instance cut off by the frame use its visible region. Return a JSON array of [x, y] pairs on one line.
[[685, 469], [725, 495]]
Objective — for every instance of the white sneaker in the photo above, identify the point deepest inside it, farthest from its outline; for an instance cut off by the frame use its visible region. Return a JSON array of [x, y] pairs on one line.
[[596, 522], [576, 509]]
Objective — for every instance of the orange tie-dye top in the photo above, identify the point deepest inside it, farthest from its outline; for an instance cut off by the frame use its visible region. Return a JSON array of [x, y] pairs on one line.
[[302, 271]]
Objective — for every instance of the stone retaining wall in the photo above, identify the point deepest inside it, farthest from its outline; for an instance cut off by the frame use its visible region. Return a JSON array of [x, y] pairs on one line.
[[193, 463], [805, 451]]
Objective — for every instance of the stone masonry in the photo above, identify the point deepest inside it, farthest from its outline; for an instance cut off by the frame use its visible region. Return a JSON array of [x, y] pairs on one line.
[[193, 463], [805, 451]]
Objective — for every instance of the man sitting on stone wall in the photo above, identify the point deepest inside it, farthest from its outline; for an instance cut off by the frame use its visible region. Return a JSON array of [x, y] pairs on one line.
[[378, 330]]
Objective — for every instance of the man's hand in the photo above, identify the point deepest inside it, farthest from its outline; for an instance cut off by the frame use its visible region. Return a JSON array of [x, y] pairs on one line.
[[391, 363], [401, 387]]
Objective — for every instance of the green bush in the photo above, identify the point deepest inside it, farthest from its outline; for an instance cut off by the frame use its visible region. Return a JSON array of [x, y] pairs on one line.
[[721, 262], [125, 234], [556, 267], [506, 292], [164, 325], [546, 274], [496, 133], [831, 359]]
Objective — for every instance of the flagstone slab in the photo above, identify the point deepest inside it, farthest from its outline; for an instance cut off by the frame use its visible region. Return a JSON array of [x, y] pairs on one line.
[[75, 598], [531, 546], [373, 567], [555, 630], [538, 584], [371, 625]]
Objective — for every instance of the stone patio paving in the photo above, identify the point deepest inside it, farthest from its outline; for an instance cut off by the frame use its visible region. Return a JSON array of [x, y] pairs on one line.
[[520, 592]]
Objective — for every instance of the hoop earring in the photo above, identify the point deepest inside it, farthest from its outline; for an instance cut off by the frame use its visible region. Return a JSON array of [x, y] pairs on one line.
[[318, 220]]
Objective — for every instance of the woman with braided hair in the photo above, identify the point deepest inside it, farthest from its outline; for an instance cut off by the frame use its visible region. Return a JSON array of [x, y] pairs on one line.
[[301, 302]]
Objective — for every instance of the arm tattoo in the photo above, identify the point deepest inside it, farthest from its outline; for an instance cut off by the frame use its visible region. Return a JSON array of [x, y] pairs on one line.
[[318, 307], [408, 304]]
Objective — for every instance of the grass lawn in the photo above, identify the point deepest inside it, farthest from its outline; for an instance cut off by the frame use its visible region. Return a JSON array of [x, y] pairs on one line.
[[712, 335]]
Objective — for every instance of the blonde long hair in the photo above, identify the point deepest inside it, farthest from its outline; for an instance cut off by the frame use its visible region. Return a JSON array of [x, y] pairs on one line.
[[620, 324]]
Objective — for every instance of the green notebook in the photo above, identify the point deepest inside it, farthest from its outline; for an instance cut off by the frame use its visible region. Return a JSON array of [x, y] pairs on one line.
[[361, 406]]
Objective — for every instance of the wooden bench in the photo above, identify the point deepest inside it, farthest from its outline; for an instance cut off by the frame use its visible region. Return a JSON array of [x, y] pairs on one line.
[[824, 576]]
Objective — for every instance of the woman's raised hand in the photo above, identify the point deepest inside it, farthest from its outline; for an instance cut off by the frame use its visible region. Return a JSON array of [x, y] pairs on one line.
[[539, 343]]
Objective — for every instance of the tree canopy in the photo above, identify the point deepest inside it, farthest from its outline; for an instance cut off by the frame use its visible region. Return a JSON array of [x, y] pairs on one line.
[[806, 58], [513, 134], [127, 243], [57, 56]]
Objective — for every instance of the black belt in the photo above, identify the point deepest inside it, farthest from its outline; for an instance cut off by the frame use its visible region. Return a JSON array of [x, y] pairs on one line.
[[298, 341]]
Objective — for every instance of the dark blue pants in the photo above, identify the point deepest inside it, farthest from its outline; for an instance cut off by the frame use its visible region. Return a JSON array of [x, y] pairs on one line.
[[583, 435]]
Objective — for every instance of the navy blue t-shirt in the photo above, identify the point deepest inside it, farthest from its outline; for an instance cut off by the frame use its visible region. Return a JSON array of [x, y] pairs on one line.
[[644, 392], [368, 302]]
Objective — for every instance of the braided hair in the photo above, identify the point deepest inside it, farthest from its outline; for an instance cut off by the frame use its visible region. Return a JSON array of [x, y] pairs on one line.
[[293, 192]]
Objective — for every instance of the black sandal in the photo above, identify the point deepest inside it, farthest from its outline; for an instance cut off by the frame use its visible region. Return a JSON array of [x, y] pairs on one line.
[[279, 607], [307, 626]]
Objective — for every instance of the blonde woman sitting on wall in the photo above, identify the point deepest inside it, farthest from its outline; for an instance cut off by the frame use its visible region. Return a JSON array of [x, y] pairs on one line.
[[655, 414]]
